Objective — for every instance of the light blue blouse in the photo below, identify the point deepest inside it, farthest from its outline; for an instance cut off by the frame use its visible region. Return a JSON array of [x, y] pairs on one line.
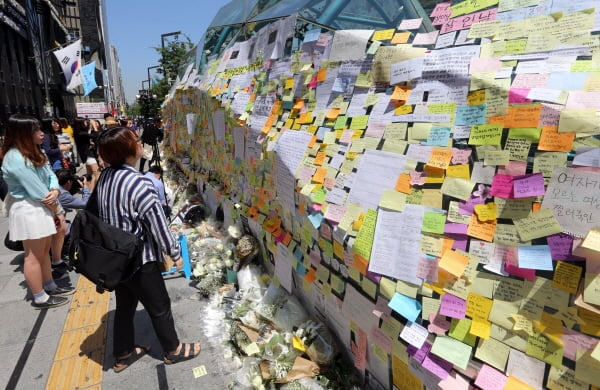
[[24, 179]]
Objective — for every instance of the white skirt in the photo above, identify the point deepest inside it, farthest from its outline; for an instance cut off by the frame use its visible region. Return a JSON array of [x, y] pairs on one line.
[[91, 161], [29, 219]]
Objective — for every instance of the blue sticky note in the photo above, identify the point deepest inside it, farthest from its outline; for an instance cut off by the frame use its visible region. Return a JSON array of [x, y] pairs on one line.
[[316, 219], [300, 269], [298, 253], [438, 136], [407, 307], [535, 257], [567, 80], [471, 115]]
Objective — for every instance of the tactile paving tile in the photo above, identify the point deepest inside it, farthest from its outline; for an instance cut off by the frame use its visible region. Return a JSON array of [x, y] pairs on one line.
[[79, 355]]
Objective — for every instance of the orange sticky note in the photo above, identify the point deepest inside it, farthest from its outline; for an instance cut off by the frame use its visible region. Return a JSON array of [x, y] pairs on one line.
[[312, 142], [333, 113], [454, 262], [553, 141], [401, 92], [321, 74], [440, 158], [482, 230], [536, 206], [403, 183], [299, 104], [319, 176], [311, 275], [402, 37], [320, 158], [305, 117], [361, 264]]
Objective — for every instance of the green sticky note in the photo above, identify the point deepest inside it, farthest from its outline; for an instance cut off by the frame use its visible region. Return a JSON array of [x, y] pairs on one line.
[[459, 329], [337, 283], [359, 122], [387, 287], [354, 274], [322, 273], [452, 350], [340, 122], [433, 222], [369, 287]]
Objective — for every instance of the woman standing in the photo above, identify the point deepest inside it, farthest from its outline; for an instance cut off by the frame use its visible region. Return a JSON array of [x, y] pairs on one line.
[[91, 161], [128, 200], [53, 149], [33, 208]]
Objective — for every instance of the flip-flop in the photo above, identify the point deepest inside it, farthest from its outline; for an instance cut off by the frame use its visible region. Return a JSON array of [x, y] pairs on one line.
[[134, 356]]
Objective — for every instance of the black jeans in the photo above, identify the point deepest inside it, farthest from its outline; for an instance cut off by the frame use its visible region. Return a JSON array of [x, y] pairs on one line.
[[148, 287]]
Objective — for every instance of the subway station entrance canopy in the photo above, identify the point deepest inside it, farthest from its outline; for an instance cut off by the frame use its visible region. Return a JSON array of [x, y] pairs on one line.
[[240, 19]]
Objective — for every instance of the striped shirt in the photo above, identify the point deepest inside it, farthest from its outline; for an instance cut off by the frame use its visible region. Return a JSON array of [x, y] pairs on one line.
[[128, 200]]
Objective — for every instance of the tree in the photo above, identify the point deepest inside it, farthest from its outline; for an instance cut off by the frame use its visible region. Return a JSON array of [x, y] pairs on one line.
[[170, 60]]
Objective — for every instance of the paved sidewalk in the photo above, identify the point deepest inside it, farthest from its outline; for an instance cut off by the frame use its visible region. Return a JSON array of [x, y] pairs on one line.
[[29, 339]]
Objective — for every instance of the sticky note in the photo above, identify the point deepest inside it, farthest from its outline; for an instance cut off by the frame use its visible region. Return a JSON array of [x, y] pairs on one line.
[[452, 350], [407, 307]]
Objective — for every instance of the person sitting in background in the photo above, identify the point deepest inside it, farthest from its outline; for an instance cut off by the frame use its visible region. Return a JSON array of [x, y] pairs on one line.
[[33, 209], [129, 201]]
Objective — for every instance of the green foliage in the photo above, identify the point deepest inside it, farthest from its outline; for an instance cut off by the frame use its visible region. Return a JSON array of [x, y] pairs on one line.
[[171, 56]]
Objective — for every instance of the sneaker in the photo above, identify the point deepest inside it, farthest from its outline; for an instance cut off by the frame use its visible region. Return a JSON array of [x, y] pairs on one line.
[[52, 301], [58, 274], [61, 291]]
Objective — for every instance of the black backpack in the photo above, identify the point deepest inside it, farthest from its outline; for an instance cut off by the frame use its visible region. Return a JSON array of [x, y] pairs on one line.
[[103, 253]]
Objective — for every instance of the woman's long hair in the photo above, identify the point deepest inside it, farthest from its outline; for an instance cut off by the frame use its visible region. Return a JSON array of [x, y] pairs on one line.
[[48, 129], [19, 134]]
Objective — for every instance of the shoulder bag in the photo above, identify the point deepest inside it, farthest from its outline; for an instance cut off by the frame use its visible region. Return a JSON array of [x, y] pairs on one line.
[[103, 253]]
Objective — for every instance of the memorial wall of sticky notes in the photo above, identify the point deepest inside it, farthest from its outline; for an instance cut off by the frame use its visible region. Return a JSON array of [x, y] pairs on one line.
[[438, 189]]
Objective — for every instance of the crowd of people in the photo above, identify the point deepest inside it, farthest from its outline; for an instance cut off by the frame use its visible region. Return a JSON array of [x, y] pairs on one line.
[[39, 161]]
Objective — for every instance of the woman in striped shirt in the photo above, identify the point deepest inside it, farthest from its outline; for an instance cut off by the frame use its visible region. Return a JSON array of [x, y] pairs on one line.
[[128, 200]]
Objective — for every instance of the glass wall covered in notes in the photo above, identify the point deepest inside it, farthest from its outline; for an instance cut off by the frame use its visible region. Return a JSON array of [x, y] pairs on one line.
[[434, 184]]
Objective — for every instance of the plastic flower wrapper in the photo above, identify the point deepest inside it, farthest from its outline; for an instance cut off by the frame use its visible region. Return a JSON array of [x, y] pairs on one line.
[[281, 309], [278, 351], [303, 384], [318, 341], [249, 376]]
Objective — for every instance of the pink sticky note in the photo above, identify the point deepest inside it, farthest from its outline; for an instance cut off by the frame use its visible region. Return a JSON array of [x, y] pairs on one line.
[[452, 306], [513, 168], [502, 186], [518, 95], [360, 358], [511, 266], [334, 213], [484, 65], [438, 324], [441, 8], [573, 340], [417, 178], [490, 379], [438, 366], [460, 156], [381, 339], [529, 185], [427, 268], [465, 21], [375, 130]]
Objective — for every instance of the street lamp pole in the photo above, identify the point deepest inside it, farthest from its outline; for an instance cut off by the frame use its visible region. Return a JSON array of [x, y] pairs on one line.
[[162, 46]]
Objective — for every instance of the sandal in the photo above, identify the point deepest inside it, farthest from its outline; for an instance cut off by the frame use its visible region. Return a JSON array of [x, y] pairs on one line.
[[186, 352], [132, 357]]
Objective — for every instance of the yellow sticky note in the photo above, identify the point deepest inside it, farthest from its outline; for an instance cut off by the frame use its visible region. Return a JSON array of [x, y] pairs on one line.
[[252, 349], [481, 328], [478, 307], [392, 200], [199, 371], [383, 35], [369, 287], [487, 211], [461, 170], [582, 120], [566, 277]]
